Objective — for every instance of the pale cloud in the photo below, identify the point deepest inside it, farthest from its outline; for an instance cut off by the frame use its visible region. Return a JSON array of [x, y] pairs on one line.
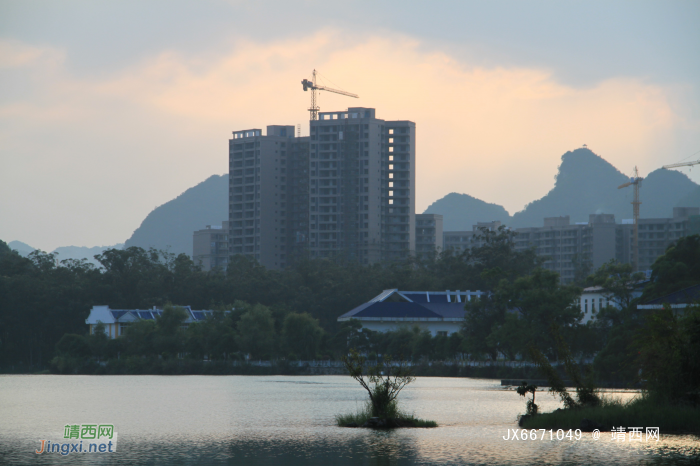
[[106, 151]]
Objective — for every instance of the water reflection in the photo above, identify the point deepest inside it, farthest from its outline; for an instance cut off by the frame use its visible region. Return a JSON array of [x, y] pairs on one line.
[[290, 421]]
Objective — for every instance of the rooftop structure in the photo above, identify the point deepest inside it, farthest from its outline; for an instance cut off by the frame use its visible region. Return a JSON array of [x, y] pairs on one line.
[[677, 300], [116, 321], [439, 312]]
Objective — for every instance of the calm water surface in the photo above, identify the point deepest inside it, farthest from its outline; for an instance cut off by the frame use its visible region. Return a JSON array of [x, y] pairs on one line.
[[243, 420]]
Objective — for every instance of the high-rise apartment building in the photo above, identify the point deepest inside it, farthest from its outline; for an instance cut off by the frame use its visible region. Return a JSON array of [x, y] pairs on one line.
[[258, 189], [347, 190], [362, 186]]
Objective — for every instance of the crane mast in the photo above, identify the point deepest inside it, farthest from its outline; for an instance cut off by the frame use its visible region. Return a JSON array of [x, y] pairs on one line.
[[314, 108], [635, 181]]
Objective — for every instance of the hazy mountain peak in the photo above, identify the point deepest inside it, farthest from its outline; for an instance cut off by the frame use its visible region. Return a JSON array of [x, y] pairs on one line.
[[22, 248], [588, 184], [462, 211], [170, 226], [581, 166]]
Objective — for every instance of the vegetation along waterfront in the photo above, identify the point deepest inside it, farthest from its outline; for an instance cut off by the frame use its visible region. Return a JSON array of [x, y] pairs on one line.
[[290, 315]]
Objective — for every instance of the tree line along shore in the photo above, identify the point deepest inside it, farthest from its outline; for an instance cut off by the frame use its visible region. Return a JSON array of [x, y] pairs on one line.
[[290, 315]]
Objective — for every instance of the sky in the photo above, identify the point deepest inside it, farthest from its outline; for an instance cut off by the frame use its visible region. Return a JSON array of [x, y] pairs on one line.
[[111, 108]]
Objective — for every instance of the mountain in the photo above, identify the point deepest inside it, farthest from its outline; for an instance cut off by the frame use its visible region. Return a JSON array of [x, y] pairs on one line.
[[462, 211], [66, 252], [170, 226], [585, 184], [22, 248], [82, 252], [691, 199], [588, 184], [662, 190]]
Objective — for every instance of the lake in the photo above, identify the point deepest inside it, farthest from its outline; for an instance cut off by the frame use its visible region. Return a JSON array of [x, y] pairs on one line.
[[289, 420]]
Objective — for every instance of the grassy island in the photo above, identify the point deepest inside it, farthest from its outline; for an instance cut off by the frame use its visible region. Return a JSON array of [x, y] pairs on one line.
[[383, 383], [642, 411], [393, 417]]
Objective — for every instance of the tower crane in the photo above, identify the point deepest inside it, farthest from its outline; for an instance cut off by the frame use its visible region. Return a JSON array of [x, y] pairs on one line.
[[313, 110], [682, 164], [635, 181]]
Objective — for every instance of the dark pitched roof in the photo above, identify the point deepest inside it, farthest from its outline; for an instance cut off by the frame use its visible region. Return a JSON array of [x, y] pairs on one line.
[[410, 305], [684, 296], [390, 309]]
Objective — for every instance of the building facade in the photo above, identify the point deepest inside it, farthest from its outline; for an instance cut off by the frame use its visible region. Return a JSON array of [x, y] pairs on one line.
[[429, 237], [656, 234], [116, 321], [439, 312], [210, 247], [462, 240], [361, 186], [258, 194], [347, 190], [568, 248]]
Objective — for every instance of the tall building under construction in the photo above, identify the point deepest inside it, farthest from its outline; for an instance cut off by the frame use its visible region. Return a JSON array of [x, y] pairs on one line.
[[346, 191]]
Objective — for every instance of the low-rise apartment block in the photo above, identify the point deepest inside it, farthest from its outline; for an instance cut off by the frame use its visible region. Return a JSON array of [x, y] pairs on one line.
[[568, 247], [429, 234], [210, 247]]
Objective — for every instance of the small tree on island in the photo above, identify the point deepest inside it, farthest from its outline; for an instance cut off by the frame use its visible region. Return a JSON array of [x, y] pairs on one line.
[[387, 379], [523, 390]]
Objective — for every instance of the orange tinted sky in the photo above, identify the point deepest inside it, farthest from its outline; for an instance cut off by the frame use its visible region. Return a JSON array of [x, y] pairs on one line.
[[90, 145]]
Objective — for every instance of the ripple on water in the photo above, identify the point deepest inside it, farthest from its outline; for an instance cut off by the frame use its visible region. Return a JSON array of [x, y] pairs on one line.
[[290, 420]]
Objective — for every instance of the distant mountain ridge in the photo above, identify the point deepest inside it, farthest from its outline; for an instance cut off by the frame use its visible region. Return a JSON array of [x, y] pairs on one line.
[[170, 226], [465, 211], [585, 184], [67, 252]]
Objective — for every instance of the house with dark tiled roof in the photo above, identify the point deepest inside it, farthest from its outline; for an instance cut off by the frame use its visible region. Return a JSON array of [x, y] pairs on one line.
[[116, 321], [677, 300], [439, 312]]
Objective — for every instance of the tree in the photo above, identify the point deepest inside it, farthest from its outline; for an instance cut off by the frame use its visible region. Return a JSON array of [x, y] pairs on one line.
[[169, 335], [582, 269], [519, 313], [215, 337], [139, 337], [383, 382], [586, 392], [617, 281], [302, 335], [669, 353], [256, 331], [523, 390], [677, 269], [73, 345]]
